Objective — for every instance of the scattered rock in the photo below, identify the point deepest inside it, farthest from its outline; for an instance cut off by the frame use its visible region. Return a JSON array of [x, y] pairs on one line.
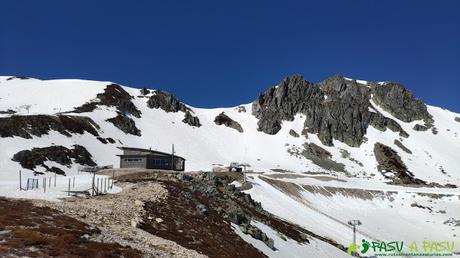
[[191, 120], [38, 125], [402, 147], [166, 101], [125, 124], [202, 209], [113, 96], [293, 133], [223, 119], [321, 157], [392, 167], [30, 159], [419, 127]]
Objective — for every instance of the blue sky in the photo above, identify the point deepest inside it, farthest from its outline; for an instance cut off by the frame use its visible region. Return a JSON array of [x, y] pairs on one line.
[[223, 53]]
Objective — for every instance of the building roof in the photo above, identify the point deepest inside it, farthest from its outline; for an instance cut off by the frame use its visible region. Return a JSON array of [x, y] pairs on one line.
[[149, 150]]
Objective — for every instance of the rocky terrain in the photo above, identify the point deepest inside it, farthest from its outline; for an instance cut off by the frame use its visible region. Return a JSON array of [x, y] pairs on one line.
[[337, 108], [316, 155], [159, 214]]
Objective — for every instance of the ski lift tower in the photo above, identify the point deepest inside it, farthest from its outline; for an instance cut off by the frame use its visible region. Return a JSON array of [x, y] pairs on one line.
[[354, 223]]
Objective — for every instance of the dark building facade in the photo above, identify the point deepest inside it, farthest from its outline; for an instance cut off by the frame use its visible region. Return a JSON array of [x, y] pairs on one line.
[[150, 159]]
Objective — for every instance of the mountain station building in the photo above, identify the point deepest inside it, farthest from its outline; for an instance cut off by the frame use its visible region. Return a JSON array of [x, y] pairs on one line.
[[150, 159]]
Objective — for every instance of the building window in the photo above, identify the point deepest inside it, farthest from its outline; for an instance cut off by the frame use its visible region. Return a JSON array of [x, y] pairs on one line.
[[133, 160]]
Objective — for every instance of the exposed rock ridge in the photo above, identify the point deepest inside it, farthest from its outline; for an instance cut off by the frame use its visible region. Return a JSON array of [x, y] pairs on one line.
[[337, 108], [30, 159], [169, 103], [223, 119], [392, 167], [38, 125], [113, 96]]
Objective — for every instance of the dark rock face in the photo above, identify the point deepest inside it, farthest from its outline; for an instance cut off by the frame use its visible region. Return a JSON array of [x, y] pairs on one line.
[[457, 119], [336, 108], [38, 125], [293, 133], [321, 157], [145, 91], [191, 120], [418, 127], [125, 124], [169, 103], [7, 112], [223, 119], [402, 147], [166, 101], [114, 96], [18, 77], [392, 167], [400, 102], [30, 159]]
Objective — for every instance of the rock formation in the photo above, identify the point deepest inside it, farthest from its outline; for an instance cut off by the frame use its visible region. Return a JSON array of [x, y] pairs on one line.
[[337, 108], [223, 119]]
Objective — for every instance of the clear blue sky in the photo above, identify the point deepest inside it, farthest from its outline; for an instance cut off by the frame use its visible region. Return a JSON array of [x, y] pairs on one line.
[[223, 53]]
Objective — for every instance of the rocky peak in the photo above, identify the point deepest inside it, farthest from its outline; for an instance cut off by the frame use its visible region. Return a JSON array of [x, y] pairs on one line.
[[400, 102], [166, 101], [337, 108]]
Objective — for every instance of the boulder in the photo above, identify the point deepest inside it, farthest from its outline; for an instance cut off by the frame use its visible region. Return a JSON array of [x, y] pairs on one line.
[[223, 119]]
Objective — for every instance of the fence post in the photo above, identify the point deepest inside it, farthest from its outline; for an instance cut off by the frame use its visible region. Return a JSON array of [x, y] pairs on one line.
[[73, 182], [97, 188], [55, 179], [49, 182], [44, 185], [20, 180], [68, 192]]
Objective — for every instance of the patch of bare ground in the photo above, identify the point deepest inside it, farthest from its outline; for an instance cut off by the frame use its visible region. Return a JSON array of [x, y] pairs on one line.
[[186, 217], [288, 229], [118, 216], [291, 176], [196, 200], [327, 178], [290, 189], [31, 231]]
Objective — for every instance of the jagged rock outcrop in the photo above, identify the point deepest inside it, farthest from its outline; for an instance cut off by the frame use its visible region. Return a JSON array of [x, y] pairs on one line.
[[38, 125], [336, 108], [18, 77], [166, 101], [30, 159], [400, 102], [191, 120], [125, 124], [321, 157], [113, 96], [392, 167], [169, 103], [7, 112], [402, 147], [223, 119], [418, 127], [293, 133]]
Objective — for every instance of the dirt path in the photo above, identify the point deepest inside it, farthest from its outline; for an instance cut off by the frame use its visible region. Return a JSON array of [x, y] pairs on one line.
[[118, 215]]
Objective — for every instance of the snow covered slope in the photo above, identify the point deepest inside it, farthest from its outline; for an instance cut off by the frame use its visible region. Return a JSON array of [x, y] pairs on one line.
[[427, 158]]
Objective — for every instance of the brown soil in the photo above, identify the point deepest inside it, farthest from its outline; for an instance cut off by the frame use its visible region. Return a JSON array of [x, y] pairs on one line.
[[206, 233], [33, 231], [291, 176]]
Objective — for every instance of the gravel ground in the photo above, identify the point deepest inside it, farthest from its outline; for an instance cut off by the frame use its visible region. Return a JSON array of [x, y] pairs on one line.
[[118, 215]]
